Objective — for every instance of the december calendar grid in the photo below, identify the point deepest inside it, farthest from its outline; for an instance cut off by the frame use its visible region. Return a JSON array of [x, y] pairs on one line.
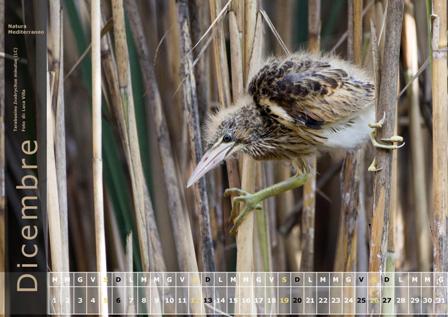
[[181, 293]]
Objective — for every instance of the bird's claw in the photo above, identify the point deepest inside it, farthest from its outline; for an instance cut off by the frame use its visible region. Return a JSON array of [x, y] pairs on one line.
[[251, 202], [238, 220], [392, 139], [373, 167], [235, 191], [378, 124]]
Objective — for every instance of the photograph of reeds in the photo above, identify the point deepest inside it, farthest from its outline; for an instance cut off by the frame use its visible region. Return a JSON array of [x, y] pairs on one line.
[[243, 135]]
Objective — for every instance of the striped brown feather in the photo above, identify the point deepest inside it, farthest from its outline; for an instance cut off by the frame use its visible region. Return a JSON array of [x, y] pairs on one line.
[[311, 91]]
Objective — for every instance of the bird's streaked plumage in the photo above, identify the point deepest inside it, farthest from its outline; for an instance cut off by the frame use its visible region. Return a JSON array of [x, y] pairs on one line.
[[295, 106]]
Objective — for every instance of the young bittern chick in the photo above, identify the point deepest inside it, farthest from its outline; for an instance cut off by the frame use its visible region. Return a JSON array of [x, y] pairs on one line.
[[296, 106]]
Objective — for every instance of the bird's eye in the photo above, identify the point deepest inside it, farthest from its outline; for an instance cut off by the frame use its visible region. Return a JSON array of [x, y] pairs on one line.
[[226, 138]]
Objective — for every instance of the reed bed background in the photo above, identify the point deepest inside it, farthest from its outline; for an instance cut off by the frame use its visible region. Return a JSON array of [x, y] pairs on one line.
[[131, 83]]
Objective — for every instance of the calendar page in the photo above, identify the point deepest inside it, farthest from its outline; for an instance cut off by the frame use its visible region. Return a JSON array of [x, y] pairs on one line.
[[223, 157]]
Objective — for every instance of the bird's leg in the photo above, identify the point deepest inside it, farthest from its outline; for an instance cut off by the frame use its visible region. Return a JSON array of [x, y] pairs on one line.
[[253, 201], [392, 139]]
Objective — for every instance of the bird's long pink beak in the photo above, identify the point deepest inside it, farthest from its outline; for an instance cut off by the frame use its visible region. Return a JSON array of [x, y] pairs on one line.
[[211, 159]]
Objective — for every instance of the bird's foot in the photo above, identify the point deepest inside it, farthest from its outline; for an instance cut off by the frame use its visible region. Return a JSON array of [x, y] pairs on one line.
[[251, 202], [392, 140]]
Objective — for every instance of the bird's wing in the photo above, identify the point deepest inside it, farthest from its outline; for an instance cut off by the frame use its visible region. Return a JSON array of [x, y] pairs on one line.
[[311, 92]]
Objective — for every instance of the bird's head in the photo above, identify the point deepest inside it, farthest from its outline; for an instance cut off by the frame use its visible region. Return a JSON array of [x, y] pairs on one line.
[[228, 131]]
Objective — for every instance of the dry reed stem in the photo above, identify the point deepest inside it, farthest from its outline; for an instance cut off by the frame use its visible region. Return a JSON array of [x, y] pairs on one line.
[[236, 57], [346, 253], [357, 31], [178, 212], [111, 91], [125, 93], [376, 57], [440, 134], [176, 121], [192, 117], [236, 62], [220, 212], [380, 23], [238, 90], [309, 189], [390, 259], [237, 6], [98, 203], [410, 61], [55, 45], [2, 164], [236, 18], [387, 101], [54, 221], [53, 202], [148, 236], [222, 75], [252, 35], [262, 243], [58, 105], [346, 257], [198, 14], [424, 43], [220, 57], [111, 85], [245, 236], [250, 20]]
